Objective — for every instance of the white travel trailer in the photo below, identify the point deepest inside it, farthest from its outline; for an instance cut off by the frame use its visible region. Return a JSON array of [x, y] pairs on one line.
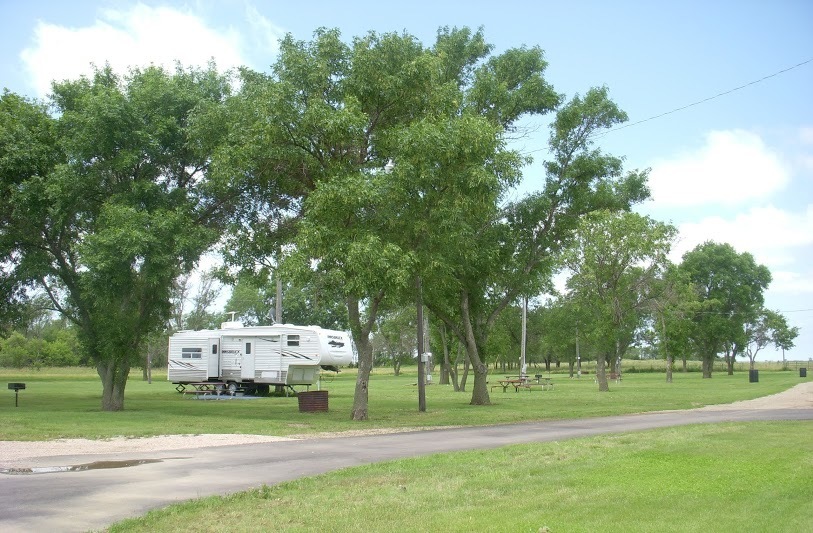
[[254, 358]]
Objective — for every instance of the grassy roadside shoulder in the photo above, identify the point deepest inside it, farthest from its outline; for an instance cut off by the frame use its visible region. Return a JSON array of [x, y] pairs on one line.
[[722, 477], [65, 403]]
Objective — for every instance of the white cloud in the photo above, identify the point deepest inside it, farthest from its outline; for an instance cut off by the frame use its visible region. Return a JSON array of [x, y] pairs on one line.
[[136, 37], [265, 34], [775, 237], [731, 168], [806, 135], [790, 282]]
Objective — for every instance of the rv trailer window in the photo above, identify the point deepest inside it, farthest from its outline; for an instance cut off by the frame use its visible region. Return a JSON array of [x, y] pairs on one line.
[[293, 340], [214, 349], [191, 353], [248, 348]]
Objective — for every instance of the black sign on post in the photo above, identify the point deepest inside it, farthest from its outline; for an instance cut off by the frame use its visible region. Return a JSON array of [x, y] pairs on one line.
[[16, 387]]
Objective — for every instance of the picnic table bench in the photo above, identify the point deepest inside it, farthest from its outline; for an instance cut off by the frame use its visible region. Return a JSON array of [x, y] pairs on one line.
[[203, 389]]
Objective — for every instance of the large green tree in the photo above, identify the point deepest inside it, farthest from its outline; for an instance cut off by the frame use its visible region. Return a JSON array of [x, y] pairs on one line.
[[502, 253], [767, 327], [105, 202], [616, 261], [730, 288], [673, 302], [312, 140]]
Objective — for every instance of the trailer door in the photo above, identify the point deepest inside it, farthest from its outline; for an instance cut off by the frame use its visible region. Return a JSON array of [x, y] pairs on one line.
[[247, 367], [214, 358]]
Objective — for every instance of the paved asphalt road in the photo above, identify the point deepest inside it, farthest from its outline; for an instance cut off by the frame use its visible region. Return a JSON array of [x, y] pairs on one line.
[[91, 499]]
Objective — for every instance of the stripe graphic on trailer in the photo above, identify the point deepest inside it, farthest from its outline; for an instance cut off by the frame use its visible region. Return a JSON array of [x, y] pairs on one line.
[[182, 364], [295, 355]]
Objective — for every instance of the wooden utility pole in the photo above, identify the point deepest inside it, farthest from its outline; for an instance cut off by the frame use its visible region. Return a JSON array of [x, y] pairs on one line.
[[522, 366], [421, 372]]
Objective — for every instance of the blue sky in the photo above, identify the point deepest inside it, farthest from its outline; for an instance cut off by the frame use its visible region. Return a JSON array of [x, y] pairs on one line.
[[737, 168]]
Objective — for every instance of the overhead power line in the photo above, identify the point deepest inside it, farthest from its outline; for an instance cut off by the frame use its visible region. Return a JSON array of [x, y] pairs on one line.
[[718, 95]]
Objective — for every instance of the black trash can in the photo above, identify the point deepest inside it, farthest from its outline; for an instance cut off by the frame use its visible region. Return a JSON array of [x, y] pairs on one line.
[[802, 372], [753, 376]]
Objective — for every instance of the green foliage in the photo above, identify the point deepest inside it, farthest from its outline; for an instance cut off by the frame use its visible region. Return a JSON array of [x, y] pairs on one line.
[[251, 303], [43, 341], [730, 292], [675, 300], [767, 327], [394, 340], [616, 262], [560, 322], [63, 349], [782, 334], [105, 203], [514, 251]]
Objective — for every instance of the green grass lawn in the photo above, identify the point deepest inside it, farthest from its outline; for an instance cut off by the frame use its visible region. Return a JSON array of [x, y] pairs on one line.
[[61, 403], [726, 477]]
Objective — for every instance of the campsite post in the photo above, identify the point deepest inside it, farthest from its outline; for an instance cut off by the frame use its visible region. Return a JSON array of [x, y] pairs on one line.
[[421, 372]]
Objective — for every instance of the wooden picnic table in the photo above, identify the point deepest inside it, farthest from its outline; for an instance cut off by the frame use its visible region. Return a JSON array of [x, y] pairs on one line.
[[523, 382], [517, 383]]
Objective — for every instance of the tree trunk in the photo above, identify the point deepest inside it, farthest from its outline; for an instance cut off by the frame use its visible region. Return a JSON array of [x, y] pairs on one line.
[[360, 396], [571, 365], [466, 368], [729, 361], [479, 393], [396, 367], [361, 336], [617, 363], [708, 362], [601, 373], [114, 378], [453, 379], [446, 367], [668, 355]]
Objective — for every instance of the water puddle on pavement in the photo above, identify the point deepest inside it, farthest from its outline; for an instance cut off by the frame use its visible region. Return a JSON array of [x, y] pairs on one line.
[[98, 465]]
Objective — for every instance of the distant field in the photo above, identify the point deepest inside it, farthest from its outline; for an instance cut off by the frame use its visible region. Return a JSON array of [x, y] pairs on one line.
[[61, 403]]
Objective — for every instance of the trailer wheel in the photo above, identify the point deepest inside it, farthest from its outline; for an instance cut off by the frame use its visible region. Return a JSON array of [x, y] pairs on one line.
[[232, 388]]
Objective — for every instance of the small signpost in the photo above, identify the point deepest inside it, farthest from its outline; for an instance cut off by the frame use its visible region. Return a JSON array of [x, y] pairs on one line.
[[16, 387]]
